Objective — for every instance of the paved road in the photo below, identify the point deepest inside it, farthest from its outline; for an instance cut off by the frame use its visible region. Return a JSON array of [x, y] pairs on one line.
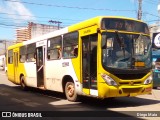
[[12, 98]]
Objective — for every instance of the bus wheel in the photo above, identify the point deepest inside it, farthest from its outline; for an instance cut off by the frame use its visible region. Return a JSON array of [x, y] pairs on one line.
[[70, 92], [23, 86]]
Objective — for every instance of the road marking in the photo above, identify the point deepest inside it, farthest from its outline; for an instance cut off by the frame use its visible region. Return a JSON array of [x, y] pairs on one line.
[[4, 94], [63, 102]]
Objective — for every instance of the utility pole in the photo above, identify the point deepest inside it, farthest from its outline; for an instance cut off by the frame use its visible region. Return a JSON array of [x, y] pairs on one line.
[[5, 45], [139, 16], [55, 22]]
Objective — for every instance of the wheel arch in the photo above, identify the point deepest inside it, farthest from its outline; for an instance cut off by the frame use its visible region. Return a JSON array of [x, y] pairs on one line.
[[21, 76]]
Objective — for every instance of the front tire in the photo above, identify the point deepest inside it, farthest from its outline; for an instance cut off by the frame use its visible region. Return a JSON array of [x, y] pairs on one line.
[[70, 92]]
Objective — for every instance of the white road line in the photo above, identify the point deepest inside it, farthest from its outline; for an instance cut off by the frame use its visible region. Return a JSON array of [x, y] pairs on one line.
[[63, 102]]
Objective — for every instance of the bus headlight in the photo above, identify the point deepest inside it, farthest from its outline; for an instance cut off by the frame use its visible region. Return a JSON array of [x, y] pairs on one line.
[[108, 80], [148, 80], [153, 63]]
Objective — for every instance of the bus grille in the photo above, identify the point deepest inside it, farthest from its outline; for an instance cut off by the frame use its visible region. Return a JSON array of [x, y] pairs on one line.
[[128, 83], [130, 76], [131, 90]]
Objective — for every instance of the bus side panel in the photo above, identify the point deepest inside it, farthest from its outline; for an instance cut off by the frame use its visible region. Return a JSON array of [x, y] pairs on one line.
[[30, 74], [10, 72], [13, 67], [77, 68], [55, 71]]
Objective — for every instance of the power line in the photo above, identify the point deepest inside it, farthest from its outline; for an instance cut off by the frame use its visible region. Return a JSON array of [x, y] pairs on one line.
[[155, 26], [14, 19], [40, 17], [48, 18], [10, 25], [152, 20], [151, 2], [152, 14], [7, 27], [51, 5], [68, 7], [71, 7], [154, 0], [4, 23], [55, 22], [49, 27]]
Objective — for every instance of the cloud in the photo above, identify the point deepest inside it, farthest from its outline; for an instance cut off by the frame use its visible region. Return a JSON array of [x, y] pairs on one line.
[[17, 11]]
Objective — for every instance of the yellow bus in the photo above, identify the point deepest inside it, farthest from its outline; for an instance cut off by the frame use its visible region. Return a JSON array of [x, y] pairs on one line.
[[103, 57]]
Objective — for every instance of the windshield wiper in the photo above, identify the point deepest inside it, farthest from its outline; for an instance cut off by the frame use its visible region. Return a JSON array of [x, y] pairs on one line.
[[120, 42], [133, 59]]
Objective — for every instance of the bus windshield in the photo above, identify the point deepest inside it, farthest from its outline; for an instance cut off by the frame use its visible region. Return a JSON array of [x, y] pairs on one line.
[[126, 51]]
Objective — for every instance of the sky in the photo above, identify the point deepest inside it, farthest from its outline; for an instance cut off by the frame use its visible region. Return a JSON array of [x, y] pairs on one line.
[[17, 13]]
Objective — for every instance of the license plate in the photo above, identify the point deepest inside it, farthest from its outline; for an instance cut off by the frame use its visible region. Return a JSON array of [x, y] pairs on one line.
[[133, 94], [148, 89], [139, 64]]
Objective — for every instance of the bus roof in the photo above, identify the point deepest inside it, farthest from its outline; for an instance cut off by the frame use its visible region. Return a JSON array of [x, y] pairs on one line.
[[78, 26], [95, 21], [15, 46]]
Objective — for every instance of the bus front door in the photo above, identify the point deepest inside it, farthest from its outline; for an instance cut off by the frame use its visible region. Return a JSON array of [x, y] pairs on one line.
[[40, 66], [89, 64]]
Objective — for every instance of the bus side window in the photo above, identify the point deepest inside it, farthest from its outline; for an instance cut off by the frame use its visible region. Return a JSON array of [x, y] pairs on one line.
[[54, 48], [22, 57], [59, 51], [75, 52], [31, 48], [70, 45], [10, 56], [48, 54]]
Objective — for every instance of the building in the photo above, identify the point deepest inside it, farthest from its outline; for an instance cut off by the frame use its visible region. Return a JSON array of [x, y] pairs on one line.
[[4, 45], [22, 34], [155, 28], [40, 29], [33, 30]]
